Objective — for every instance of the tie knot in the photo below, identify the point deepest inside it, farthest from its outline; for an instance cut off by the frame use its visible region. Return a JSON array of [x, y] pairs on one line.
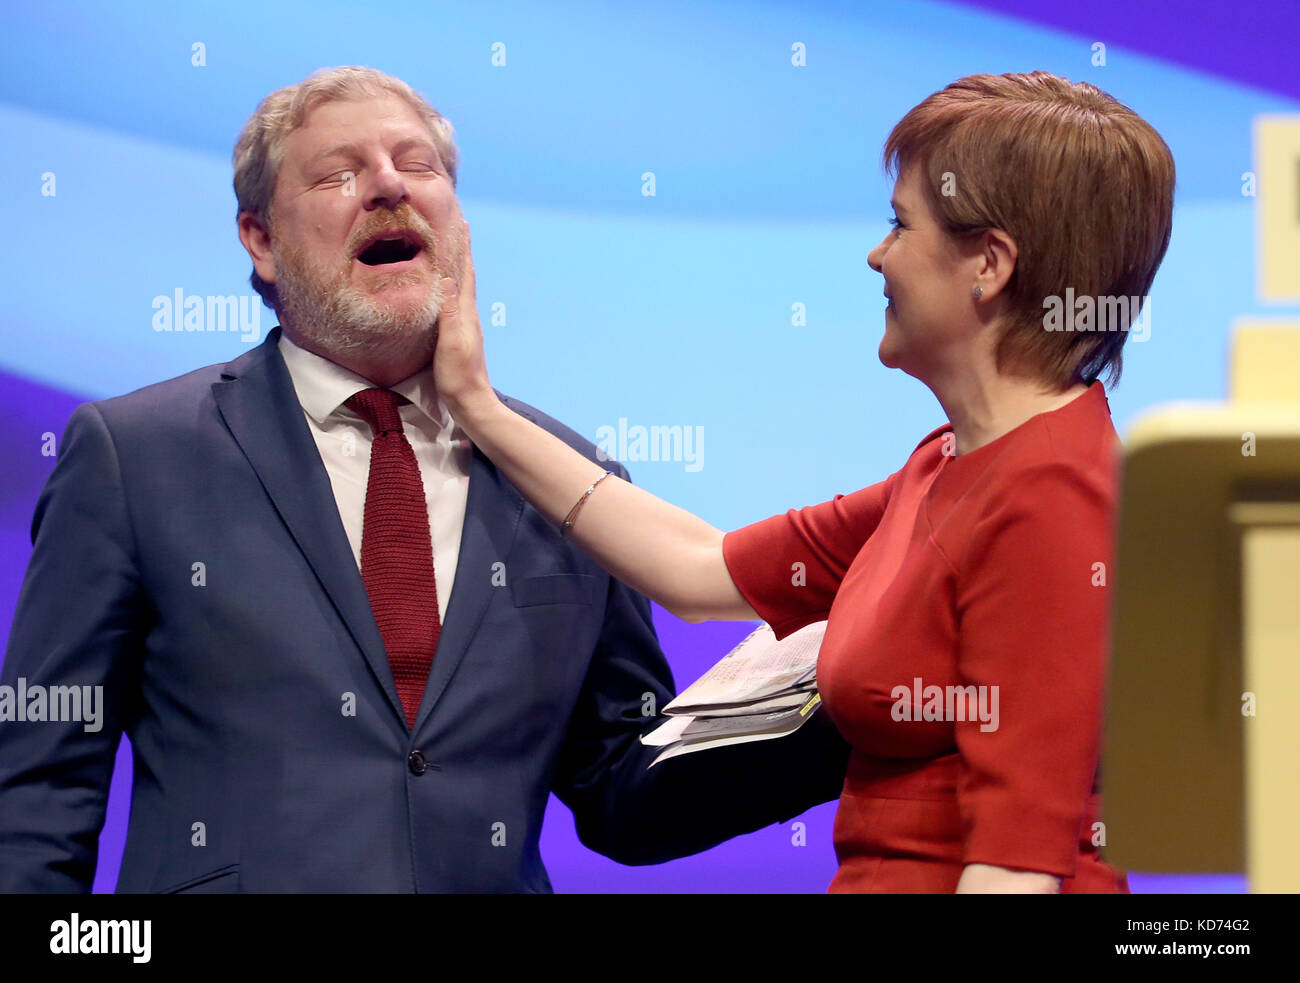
[[378, 407]]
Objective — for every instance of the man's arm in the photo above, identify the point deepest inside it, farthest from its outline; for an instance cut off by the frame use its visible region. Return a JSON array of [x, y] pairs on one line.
[[78, 623], [688, 803]]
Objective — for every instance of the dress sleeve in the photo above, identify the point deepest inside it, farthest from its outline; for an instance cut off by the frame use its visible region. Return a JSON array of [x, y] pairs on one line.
[[1033, 610], [790, 566]]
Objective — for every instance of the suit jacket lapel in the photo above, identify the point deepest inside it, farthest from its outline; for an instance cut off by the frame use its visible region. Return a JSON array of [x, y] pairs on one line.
[[492, 511], [257, 400]]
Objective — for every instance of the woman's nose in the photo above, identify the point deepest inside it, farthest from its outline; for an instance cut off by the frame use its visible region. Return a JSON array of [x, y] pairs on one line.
[[877, 255]]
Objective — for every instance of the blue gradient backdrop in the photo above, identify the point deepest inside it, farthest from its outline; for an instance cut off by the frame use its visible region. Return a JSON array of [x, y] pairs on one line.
[[672, 309]]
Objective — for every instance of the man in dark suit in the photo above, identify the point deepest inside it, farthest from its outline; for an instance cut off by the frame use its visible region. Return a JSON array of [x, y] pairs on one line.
[[349, 656]]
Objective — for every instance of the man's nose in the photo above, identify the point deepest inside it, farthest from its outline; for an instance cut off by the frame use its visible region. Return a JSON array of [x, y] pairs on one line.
[[387, 189]]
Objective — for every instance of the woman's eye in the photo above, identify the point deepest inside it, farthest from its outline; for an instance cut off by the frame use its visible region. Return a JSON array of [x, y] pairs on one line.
[[893, 221]]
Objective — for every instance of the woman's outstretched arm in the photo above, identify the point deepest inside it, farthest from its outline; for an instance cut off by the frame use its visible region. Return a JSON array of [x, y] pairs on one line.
[[666, 553]]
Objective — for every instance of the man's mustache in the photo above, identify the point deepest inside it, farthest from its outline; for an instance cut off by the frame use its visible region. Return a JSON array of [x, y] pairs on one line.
[[402, 219]]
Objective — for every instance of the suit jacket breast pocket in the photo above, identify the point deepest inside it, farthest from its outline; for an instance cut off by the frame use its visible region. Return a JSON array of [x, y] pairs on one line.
[[223, 880], [556, 588]]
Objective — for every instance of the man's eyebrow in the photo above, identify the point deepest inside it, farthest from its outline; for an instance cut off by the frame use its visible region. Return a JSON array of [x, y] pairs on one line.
[[353, 151], [341, 150], [411, 143]]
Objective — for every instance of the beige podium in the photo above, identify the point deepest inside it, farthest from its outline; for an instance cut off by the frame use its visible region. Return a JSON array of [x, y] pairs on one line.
[[1201, 761]]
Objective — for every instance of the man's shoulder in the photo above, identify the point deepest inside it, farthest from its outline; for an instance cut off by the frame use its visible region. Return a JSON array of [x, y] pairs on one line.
[[567, 434], [168, 390], [177, 398]]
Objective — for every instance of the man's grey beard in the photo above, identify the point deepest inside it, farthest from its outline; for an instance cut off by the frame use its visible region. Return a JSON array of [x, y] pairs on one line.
[[337, 318]]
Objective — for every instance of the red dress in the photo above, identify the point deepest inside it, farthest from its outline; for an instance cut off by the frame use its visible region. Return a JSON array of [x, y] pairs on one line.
[[965, 654]]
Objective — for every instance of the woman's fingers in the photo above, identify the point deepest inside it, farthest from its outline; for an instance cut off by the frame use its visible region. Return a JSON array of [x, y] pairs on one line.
[[459, 365]]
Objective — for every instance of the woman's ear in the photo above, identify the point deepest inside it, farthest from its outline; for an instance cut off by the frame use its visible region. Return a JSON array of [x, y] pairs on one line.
[[997, 261]]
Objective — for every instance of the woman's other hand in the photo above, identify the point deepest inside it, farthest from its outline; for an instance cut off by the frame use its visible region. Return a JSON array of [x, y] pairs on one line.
[[988, 879]]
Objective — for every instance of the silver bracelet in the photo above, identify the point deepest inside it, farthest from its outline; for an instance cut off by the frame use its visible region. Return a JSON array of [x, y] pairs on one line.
[[573, 512]]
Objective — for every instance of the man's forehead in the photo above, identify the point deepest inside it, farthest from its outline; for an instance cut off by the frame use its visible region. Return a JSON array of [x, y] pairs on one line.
[[341, 120]]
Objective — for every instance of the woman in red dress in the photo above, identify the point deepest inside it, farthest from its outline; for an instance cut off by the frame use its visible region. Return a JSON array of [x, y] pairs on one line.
[[967, 595]]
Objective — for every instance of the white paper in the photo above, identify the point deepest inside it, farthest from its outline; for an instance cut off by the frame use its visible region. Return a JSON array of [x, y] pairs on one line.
[[667, 732], [758, 668]]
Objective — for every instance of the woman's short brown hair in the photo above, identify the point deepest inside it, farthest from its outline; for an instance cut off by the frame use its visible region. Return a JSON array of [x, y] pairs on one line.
[[1083, 185]]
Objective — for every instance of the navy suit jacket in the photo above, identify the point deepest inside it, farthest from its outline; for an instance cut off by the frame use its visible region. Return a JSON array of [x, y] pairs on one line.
[[270, 748]]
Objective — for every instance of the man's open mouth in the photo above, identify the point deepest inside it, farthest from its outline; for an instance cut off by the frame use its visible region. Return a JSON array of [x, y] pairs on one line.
[[390, 247]]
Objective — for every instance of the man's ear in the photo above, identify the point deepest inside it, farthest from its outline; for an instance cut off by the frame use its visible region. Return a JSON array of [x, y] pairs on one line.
[[997, 261], [256, 237]]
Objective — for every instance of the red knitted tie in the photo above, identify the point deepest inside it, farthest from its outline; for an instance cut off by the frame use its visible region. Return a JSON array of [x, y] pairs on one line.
[[397, 549]]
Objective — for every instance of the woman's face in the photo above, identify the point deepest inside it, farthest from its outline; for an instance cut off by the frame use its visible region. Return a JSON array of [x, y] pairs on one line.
[[928, 280]]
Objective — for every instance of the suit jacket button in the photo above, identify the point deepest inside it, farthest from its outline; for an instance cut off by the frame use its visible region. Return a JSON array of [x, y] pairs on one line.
[[415, 761]]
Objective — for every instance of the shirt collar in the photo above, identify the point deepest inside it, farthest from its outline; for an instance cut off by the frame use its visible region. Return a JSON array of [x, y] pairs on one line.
[[323, 386]]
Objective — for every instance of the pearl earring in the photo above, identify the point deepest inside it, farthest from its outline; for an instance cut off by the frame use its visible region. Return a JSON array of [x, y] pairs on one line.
[[977, 292]]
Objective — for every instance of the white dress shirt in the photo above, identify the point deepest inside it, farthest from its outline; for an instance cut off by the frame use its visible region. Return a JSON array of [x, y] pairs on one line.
[[442, 451]]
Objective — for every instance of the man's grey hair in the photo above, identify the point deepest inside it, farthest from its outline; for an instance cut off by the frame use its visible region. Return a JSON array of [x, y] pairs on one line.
[[260, 148]]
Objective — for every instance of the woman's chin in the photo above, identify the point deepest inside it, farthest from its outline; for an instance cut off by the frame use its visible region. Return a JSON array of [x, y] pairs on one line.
[[889, 354]]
